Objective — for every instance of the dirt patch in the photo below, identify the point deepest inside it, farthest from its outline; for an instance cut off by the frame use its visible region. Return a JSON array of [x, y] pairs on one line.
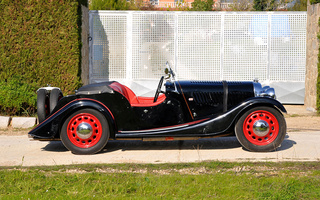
[[303, 123], [238, 170], [14, 131]]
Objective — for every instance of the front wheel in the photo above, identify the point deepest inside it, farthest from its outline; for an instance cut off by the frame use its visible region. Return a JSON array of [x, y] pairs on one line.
[[85, 132], [261, 129]]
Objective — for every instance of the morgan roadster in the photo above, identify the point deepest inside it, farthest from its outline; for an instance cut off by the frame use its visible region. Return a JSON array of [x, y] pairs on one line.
[[186, 110]]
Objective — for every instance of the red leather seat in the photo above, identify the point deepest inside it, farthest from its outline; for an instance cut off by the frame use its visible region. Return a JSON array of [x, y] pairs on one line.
[[133, 99]]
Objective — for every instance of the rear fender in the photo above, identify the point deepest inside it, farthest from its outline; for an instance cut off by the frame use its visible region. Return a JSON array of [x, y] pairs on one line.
[[50, 128]]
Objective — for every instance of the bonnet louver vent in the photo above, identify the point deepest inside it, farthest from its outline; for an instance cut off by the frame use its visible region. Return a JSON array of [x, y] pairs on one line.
[[208, 98], [236, 97]]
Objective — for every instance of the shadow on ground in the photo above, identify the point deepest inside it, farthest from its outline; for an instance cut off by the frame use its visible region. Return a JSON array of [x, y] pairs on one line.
[[202, 144], [286, 144]]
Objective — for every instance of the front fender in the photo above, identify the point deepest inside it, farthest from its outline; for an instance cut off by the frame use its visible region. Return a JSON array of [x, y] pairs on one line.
[[239, 110], [225, 122], [50, 128], [264, 101]]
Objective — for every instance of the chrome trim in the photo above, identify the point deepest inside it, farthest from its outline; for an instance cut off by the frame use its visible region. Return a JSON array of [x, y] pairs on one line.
[[265, 91], [268, 93], [84, 130], [257, 88], [48, 88], [261, 128]]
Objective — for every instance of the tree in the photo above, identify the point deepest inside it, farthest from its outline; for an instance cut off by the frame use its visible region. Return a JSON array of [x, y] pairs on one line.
[[205, 5], [299, 5], [111, 5], [314, 1], [272, 5], [260, 5], [266, 5]]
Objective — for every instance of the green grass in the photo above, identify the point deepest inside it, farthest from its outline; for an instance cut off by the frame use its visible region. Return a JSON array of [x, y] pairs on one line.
[[206, 180]]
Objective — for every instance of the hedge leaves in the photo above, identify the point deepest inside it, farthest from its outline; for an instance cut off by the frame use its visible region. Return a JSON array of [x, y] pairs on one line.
[[39, 45]]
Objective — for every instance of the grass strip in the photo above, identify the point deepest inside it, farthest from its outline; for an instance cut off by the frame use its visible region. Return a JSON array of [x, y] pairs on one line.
[[220, 180]]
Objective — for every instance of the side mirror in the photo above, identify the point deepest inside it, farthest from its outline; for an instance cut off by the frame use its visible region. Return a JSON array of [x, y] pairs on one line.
[[167, 72]]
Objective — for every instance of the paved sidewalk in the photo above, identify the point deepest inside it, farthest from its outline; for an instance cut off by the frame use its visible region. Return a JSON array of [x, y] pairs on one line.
[[19, 150]]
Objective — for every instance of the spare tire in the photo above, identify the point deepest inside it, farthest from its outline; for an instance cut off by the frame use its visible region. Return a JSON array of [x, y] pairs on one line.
[[43, 108], [55, 96]]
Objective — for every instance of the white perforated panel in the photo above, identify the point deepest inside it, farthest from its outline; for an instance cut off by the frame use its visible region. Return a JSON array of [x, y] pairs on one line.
[[288, 47], [245, 47], [152, 43], [135, 45], [109, 46], [198, 41]]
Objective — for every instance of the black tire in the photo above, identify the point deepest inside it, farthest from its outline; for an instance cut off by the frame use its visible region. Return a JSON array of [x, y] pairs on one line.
[[43, 107], [261, 129], [55, 96], [85, 143]]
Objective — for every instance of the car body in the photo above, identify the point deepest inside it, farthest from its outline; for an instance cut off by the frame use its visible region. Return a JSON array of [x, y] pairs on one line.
[[186, 110]]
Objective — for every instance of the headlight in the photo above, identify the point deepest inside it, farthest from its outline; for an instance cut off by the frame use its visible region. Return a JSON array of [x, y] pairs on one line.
[[265, 91]]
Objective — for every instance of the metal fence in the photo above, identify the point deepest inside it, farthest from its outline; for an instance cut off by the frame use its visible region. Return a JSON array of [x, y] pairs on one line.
[[133, 46]]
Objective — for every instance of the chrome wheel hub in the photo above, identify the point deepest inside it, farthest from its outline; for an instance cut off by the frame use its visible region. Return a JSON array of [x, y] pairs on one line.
[[261, 128], [84, 130]]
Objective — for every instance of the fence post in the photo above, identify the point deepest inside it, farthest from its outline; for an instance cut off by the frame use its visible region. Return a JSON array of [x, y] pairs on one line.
[[312, 46]]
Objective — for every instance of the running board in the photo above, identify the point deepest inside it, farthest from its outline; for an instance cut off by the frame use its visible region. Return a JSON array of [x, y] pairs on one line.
[[171, 138]]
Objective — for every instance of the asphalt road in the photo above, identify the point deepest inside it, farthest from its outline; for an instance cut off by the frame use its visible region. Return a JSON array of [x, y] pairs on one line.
[[21, 151]]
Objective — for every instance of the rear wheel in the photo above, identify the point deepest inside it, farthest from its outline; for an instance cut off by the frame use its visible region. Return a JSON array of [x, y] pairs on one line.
[[43, 108], [55, 96], [85, 132], [261, 129]]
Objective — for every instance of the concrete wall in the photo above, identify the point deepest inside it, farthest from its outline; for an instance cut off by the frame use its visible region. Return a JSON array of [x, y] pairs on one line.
[[312, 57], [85, 46]]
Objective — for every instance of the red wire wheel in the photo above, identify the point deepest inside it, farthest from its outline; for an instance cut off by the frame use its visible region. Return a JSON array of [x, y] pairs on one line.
[[84, 130], [261, 127]]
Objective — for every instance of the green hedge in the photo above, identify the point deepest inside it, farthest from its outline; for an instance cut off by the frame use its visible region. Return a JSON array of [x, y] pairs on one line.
[[17, 96], [314, 1], [112, 5], [40, 44]]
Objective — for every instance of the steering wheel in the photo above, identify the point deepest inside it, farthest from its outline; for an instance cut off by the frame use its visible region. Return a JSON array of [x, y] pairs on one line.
[[158, 90]]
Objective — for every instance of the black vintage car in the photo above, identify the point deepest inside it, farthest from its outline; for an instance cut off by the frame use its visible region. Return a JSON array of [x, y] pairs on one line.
[[186, 110]]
